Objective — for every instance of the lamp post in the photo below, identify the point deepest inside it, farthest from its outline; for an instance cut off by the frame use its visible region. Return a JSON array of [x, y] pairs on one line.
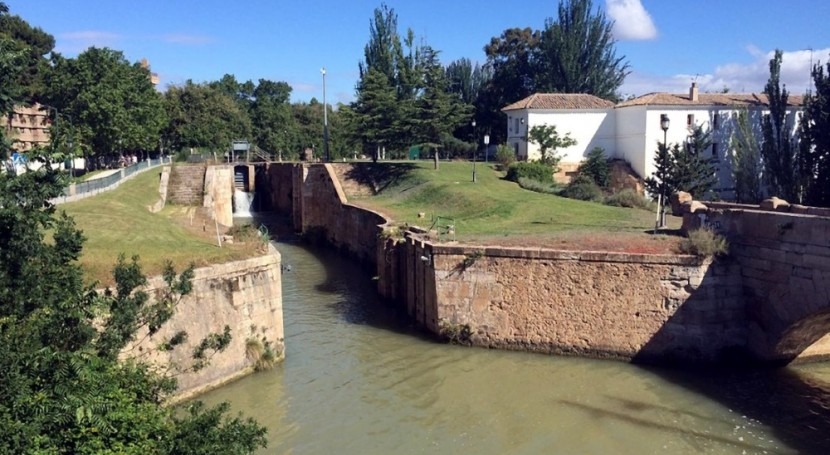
[[661, 198], [475, 151], [325, 118]]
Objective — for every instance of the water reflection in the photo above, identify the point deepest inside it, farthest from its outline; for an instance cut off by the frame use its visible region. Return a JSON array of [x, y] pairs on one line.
[[358, 379]]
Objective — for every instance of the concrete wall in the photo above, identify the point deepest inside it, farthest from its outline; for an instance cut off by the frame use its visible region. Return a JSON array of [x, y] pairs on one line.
[[784, 254], [245, 295], [276, 187], [219, 193], [643, 307]]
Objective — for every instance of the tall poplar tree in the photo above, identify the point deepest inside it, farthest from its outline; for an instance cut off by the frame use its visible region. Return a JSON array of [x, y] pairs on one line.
[[777, 149], [815, 140], [576, 53]]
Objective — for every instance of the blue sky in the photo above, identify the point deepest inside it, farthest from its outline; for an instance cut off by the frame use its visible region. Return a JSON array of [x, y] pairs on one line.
[[718, 43]]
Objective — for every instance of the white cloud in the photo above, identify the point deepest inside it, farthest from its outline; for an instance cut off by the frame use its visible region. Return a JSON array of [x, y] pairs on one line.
[[737, 77], [631, 20], [81, 40]]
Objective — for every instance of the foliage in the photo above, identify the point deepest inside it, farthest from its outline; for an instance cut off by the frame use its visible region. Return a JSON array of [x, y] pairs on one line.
[[815, 140], [779, 153], [201, 115], [628, 198], [596, 167], [583, 188], [62, 386], [455, 333], [549, 141], [110, 101], [692, 171], [746, 161], [677, 169], [704, 243], [576, 53], [505, 155], [511, 77], [538, 187], [30, 45], [538, 171]]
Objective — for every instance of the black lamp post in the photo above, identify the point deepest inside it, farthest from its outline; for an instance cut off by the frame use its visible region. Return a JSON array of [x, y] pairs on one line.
[[661, 198]]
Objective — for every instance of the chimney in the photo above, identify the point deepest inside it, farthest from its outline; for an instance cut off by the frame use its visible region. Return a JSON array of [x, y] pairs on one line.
[[693, 92]]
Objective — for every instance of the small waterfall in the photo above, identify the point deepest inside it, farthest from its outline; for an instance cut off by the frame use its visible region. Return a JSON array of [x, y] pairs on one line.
[[242, 202]]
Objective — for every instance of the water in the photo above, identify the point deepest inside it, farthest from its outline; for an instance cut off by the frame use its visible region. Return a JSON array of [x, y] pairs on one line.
[[358, 380], [242, 202]]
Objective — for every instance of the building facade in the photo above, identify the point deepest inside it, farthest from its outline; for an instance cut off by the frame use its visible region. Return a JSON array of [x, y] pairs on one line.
[[27, 126], [632, 130]]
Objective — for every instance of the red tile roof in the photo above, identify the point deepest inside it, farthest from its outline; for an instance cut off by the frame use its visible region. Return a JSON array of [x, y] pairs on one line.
[[706, 99], [560, 101]]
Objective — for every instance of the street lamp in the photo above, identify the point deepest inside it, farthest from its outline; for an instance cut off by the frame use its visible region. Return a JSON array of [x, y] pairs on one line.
[[661, 198], [325, 118], [475, 151]]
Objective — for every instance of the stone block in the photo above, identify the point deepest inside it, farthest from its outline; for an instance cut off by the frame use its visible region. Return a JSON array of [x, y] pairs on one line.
[[677, 200], [816, 262], [774, 204]]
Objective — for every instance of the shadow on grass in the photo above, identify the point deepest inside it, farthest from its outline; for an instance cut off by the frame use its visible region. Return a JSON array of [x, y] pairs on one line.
[[380, 176]]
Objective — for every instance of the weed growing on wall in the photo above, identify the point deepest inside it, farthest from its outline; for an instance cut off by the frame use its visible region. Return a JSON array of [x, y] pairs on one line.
[[704, 243]]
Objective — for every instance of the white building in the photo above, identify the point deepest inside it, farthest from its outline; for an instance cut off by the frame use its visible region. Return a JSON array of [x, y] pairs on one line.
[[631, 130]]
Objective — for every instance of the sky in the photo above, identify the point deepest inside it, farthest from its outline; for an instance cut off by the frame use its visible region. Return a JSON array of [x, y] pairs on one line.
[[667, 44]]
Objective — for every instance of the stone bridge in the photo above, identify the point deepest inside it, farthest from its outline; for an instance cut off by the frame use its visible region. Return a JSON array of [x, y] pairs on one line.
[[784, 255]]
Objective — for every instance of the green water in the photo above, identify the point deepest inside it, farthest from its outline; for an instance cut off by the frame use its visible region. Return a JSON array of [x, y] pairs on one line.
[[358, 380]]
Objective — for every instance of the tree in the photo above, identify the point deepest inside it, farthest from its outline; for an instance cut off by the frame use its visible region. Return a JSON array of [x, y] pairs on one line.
[[203, 116], [815, 140], [112, 103], [376, 111], [746, 161], [660, 183], [549, 141], [692, 171], [510, 77], [62, 386], [778, 151], [576, 53], [32, 44], [271, 115]]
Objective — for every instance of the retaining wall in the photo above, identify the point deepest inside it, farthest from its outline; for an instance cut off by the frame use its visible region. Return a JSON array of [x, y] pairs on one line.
[[245, 295]]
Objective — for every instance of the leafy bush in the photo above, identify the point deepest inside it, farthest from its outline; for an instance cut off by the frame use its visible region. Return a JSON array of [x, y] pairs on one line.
[[530, 170], [584, 189], [629, 198], [704, 243], [505, 156], [537, 186], [596, 167]]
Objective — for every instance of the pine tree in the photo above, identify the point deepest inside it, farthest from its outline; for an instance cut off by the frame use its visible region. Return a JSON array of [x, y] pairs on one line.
[[659, 184]]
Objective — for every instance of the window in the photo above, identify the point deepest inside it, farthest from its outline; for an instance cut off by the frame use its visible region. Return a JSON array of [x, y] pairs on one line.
[[690, 120], [715, 123], [517, 125], [715, 155]]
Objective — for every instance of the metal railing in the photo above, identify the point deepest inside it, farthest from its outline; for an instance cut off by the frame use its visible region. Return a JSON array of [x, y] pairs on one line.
[[88, 188]]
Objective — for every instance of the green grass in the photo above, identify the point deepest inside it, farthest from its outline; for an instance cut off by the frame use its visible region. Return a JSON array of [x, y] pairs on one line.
[[119, 222], [494, 206]]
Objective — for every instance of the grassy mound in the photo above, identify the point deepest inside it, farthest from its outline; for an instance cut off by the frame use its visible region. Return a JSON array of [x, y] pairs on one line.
[[119, 221]]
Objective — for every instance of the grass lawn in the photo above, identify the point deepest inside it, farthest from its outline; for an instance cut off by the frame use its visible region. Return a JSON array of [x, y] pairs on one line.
[[497, 210], [119, 221]]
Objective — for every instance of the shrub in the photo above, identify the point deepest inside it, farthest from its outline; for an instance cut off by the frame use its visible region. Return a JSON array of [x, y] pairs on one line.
[[530, 170], [584, 189], [539, 187], [704, 243], [505, 156], [596, 167], [629, 198]]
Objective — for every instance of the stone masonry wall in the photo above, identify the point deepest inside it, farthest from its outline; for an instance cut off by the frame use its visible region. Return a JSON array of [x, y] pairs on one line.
[[245, 295], [784, 254], [643, 307], [324, 206], [219, 193]]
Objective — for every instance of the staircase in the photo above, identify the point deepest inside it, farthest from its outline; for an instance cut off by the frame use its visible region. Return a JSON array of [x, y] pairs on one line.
[[187, 184]]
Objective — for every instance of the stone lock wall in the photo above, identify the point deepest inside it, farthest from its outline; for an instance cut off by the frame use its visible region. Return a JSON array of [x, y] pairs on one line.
[[245, 295], [218, 192], [644, 307]]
